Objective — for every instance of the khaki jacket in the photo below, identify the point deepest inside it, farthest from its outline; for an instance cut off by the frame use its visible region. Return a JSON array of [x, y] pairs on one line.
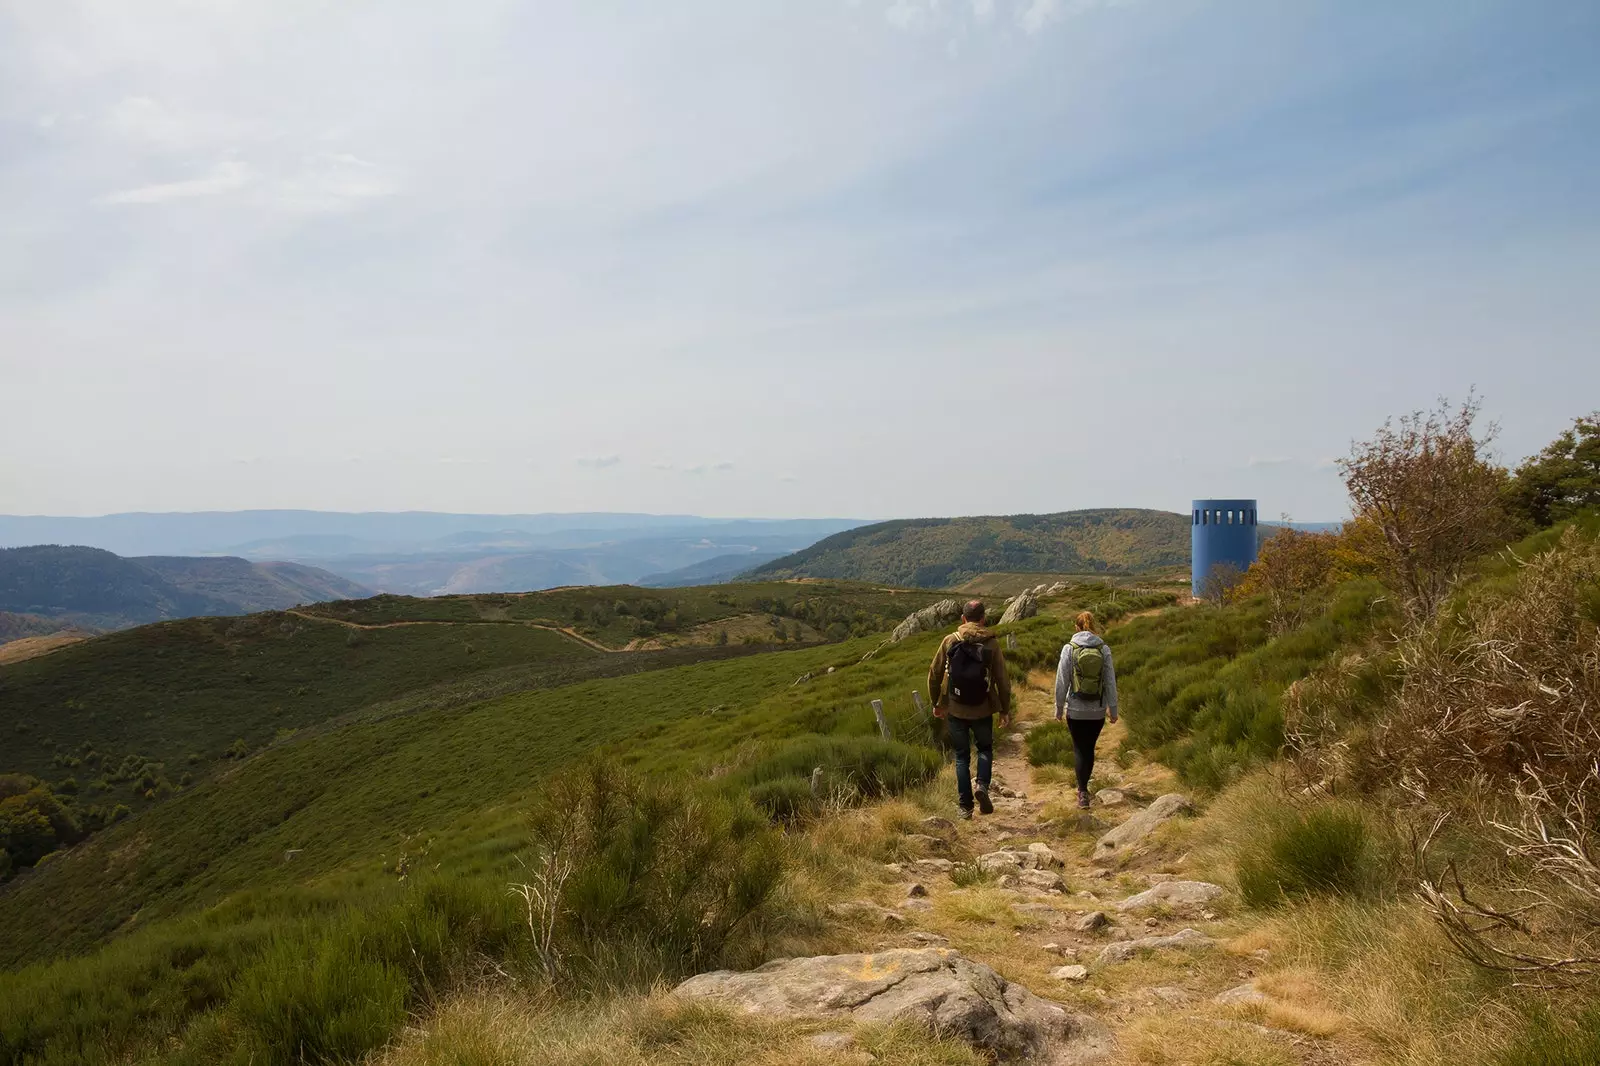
[[999, 701]]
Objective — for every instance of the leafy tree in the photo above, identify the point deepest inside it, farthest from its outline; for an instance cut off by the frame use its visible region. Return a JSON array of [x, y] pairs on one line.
[[1561, 480], [1434, 498]]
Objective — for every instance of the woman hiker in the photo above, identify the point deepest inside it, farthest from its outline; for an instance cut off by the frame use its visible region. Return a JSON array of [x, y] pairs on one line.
[[1086, 691]]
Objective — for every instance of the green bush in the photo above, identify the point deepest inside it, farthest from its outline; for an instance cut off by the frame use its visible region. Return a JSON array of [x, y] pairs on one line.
[[328, 1001], [861, 767], [1327, 850], [786, 799], [1050, 745], [970, 875], [662, 875]]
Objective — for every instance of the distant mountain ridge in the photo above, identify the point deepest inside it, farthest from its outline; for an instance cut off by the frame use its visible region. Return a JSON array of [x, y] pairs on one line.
[[428, 554], [96, 589], [943, 552]]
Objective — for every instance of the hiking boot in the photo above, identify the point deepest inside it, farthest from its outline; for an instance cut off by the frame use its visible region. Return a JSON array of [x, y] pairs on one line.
[[1083, 799], [985, 804], [964, 813]]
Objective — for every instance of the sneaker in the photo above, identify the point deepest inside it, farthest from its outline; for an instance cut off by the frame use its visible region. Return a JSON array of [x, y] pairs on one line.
[[1083, 799], [964, 813], [985, 804]]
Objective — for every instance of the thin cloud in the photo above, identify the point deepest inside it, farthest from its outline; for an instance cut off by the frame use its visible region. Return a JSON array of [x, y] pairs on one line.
[[1274, 460], [225, 177], [598, 462]]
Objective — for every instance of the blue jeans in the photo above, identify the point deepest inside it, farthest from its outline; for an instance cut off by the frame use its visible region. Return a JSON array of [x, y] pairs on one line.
[[964, 735]]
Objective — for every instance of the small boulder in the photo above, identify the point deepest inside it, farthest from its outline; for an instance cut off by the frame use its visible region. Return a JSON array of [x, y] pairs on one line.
[[1175, 894], [1071, 972], [1110, 797], [1043, 880], [1046, 858], [1187, 939], [931, 617], [1141, 825], [1245, 995], [1092, 922], [915, 891], [940, 989], [927, 867], [922, 840], [1005, 862], [833, 1041], [935, 824]]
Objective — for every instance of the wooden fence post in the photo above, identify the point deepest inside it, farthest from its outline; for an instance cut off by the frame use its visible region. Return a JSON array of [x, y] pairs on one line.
[[1011, 642], [883, 723], [916, 698]]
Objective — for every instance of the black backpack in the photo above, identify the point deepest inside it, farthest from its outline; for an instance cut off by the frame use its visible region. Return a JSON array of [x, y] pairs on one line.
[[967, 665]]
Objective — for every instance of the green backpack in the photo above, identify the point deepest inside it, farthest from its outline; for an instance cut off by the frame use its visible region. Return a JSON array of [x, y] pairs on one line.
[[1087, 663]]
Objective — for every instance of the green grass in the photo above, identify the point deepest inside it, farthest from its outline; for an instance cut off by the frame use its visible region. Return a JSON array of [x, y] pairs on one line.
[[944, 552], [1328, 850], [1202, 689], [1550, 1040], [1050, 744], [617, 614], [167, 691]]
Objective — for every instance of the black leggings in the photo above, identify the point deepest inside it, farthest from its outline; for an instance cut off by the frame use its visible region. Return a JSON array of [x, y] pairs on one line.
[[1085, 732]]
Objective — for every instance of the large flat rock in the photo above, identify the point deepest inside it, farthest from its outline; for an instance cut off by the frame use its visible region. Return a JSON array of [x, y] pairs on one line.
[[1125, 836], [1175, 894], [936, 987]]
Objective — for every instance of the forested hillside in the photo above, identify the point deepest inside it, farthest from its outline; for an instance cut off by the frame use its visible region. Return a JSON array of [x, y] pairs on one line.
[[98, 590], [944, 552]]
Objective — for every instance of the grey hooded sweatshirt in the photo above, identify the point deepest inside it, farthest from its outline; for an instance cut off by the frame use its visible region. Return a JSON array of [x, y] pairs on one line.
[[1085, 707]]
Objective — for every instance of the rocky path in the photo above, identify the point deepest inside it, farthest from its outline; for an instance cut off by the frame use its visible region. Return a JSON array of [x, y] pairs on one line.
[[1103, 912]]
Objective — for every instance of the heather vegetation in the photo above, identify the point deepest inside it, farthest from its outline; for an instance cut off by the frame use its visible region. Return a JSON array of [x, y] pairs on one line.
[[1388, 732]]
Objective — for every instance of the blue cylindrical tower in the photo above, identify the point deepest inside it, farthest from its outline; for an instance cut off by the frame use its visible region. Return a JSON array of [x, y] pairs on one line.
[[1224, 535]]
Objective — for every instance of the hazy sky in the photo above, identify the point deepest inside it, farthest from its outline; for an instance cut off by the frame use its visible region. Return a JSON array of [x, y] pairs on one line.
[[816, 257]]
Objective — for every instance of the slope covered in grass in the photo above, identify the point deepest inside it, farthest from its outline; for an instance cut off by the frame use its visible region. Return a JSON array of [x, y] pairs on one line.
[[944, 552]]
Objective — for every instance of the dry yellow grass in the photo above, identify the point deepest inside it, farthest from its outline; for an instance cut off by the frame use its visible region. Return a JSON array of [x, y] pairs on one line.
[[1164, 1039], [16, 651], [501, 1030]]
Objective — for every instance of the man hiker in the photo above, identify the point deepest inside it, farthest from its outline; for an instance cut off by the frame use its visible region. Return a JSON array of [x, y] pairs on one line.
[[969, 687], [1086, 691]]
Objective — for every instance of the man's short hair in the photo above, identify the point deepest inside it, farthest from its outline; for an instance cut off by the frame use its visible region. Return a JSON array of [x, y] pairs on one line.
[[973, 611]]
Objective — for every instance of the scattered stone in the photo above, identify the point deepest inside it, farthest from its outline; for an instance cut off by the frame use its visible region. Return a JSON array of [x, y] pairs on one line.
[[1168, 994], [1005, 836], [1187, 939], [1151, 923], [1110, 797], [935, 824], [831, 669], [1173, 894], [1156, 879], [1043, 880], [1141, 825], [916, 890], [1103, 875], [865, 908], [894, 868], [1053, 948], [1209, 916], [1071, 972], [1016, 738], [1245, 995], [833, 1041], [1001, 862], [917, 905], [939, 988], [932, 617], [922, 840], [931, 866], [1092, 922], [1046, 858], [1085, 894]]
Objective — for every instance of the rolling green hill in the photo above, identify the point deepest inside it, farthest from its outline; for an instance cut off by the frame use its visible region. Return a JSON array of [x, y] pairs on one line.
[[95, 589], [944, 552]]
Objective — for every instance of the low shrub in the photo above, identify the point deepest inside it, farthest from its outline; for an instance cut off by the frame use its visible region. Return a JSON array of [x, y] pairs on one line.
[[328, 1001], [1327, 850], [640, 879], [1050, 745], [853, 769]]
